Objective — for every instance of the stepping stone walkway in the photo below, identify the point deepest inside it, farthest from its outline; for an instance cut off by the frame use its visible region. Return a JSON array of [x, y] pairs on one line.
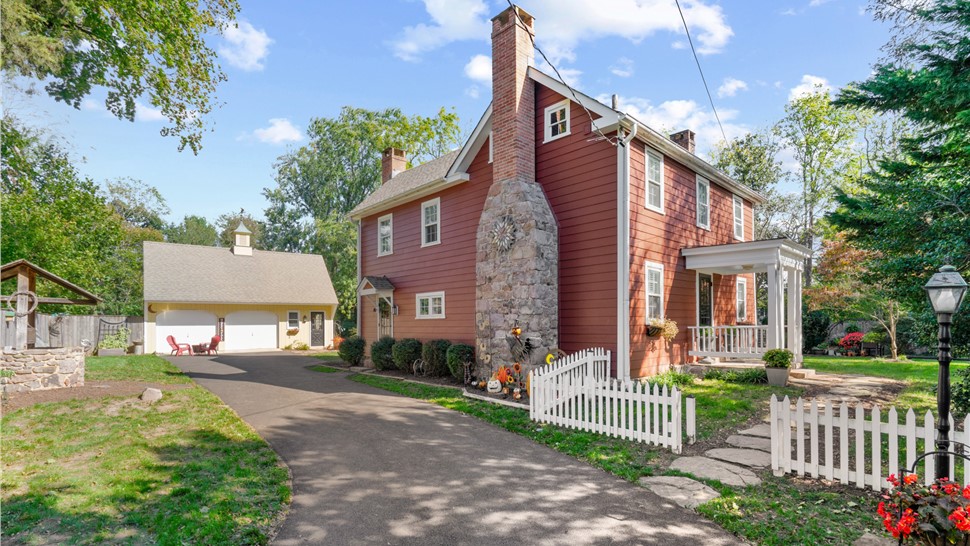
[[749, 442], [762, 431], [683, 491], [745, 457], [712, 469]]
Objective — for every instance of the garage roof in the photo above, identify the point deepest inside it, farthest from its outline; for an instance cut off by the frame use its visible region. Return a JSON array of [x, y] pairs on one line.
[[208, 274]]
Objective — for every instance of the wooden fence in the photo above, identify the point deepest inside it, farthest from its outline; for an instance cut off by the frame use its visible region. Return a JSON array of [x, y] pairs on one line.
[[577, 393], [854, 448], [71, 330]]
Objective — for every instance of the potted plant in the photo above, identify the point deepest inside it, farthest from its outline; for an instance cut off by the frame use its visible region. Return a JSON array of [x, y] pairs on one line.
[[115, 344], [777, 365], [663, 327]]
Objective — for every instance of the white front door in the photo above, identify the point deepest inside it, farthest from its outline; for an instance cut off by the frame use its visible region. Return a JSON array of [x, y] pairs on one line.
[[247, 330]]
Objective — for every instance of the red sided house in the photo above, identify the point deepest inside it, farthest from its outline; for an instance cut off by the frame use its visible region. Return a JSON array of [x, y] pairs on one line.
[[575, 222]]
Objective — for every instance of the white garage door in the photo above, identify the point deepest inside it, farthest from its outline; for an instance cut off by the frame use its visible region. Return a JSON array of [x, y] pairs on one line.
[[251, 330], [191, 327]]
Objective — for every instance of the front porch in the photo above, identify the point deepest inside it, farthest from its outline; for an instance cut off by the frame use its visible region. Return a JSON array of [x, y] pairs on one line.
[[783, 261]]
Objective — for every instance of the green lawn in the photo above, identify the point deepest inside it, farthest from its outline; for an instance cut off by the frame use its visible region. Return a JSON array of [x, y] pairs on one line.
[[328, 356], [185, 470], [920, 376], [326, 369]]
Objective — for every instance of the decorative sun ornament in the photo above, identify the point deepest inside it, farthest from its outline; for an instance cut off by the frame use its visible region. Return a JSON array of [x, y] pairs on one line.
[[503, 233]]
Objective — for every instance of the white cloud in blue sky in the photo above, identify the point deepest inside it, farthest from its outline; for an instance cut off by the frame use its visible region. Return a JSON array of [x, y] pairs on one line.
[[479, 69], [451, 21], [809, 84], [280, 131], [143, 112], [623, 67], [675, 115], [245, 46], [730, 87]]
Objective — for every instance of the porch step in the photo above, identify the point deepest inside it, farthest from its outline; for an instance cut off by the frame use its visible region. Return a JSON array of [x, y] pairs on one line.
[[802, 373]]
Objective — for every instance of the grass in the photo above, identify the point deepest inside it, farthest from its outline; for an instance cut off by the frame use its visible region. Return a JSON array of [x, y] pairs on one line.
[[920, 376], [185, 470], [328, 356], [724, 405], [325, 369]]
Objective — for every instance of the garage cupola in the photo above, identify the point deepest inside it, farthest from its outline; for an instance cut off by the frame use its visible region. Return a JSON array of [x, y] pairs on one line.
[[242, 237]]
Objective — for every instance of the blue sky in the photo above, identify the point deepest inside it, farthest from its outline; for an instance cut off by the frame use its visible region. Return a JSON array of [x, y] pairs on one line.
[[289, 62]]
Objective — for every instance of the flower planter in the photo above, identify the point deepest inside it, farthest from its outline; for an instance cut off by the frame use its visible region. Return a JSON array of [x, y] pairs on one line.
[[777, 377], [653, 331], [111, 352]]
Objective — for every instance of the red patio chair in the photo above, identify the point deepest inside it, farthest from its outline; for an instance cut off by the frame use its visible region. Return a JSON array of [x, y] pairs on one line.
[[178, 349], [213, 346]]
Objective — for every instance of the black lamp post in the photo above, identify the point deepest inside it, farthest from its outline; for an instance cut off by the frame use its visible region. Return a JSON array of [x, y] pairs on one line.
[[945, 290]]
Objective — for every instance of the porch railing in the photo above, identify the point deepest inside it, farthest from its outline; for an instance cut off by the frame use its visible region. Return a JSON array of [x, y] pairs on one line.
[[728, 341]]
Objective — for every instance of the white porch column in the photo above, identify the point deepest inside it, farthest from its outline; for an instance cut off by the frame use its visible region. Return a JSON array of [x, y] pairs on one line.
[[776, 317], [795, 315]]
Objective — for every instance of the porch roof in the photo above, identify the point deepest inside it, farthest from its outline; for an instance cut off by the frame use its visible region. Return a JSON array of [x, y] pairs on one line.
[[746, 257], [369, 286]]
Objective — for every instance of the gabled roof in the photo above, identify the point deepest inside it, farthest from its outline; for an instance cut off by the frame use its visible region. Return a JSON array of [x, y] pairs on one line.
[[451, 168], [10, 270], [409, 184], [374, 285], [208, 274]]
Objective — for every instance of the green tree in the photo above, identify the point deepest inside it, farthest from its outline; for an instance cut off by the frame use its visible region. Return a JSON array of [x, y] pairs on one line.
[[193, 230], [319, 183], [227, 223], [138, 203], [821, 137], [132, 48]]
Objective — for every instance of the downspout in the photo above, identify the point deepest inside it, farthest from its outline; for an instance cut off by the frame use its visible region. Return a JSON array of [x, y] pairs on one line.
[[356, 295], [623, 250]]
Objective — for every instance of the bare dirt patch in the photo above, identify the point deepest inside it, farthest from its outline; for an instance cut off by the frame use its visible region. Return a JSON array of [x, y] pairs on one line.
[[91, 389]]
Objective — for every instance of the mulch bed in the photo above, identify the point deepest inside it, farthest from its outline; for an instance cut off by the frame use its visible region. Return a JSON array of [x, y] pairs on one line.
[[91, 389]]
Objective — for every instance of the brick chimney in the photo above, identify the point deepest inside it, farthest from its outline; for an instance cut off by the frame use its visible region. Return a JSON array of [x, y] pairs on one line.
[[685, 139], [393, 161], [513, 96]]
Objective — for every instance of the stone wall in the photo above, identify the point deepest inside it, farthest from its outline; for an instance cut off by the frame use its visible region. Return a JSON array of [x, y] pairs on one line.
[[41, 369]]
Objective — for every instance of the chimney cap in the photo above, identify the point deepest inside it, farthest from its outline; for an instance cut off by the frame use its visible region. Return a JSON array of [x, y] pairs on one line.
[[526, 17]]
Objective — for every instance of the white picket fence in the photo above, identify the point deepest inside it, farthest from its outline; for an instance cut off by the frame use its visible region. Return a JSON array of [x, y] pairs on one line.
[[803, 438], [577, 392]]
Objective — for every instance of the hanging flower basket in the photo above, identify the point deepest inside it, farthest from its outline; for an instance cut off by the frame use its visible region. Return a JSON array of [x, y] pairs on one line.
[[665, 328], [653, 331]]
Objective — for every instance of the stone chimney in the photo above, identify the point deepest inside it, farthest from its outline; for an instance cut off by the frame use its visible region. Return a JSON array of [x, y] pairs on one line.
[[517, 246], [393, 161], [685, 139]]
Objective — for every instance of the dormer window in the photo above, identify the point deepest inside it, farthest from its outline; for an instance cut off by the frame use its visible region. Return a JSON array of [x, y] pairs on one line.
[[557, 121]]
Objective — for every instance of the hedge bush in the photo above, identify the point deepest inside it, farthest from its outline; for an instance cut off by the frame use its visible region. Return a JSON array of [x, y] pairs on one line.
[[405, 352], [457, 355], [960, 392], [352, 350], [749, 376], [380, 353], [435, 356]]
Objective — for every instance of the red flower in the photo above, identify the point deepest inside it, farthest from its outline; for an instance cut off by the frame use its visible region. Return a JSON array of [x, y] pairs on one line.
[[910, 479], [959, 518]]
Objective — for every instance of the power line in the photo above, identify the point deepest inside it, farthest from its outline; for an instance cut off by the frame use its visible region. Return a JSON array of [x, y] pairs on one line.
[[699, 69]]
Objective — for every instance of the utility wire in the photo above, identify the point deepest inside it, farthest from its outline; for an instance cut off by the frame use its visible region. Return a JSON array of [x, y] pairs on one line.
[[699, 69], [572, 91]]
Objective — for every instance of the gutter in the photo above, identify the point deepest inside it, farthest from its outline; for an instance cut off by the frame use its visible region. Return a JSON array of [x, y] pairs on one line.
[[623, 247]]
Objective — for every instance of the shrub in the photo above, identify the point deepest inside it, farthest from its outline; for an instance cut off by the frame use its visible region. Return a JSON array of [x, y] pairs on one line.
[[457, 355], [380, 353], [777, 358], [852, 328], [960, 392], [815, 328], [671, 378], [435, 356], [352, 350], [876, 337], [851, 341], [117, 340], [405, 352], [297, 346], [750, 376]]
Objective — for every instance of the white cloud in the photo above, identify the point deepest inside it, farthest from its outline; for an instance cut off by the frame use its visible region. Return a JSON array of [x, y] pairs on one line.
[[569, 75], [472, 91], [730, 87], [452, 20], [143, 112], [561, 26], [245, 47], [676, 115], [280, 131], [810, 84], [623, 67], [790, 12], [817, 3], [479, 68], [89, 104]]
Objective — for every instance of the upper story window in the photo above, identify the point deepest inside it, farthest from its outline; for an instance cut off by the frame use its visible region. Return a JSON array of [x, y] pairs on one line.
[[385, 235], [655, 181], [655, 290], [293, 320], [431, 222], [430, 305], [738, 218], [741, 297], [703, 202], [557, 121]]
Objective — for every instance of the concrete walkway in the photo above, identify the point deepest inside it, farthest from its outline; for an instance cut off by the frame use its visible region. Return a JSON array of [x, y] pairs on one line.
[[370, 467]]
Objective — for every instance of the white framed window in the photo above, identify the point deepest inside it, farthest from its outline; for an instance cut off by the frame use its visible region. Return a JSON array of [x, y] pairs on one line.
[[703, 202], [385, 235], [654, 287], [491, 149], [557, 121], [655, 181], [741, 299], [431, 222], [293, 320], [430, 305], [738, 218]]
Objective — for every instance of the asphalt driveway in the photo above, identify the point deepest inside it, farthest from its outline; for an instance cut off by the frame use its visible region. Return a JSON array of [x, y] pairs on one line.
[[372, 467]]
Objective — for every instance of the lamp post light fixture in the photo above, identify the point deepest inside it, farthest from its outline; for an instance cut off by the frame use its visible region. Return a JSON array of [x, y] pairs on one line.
[[945, 290]]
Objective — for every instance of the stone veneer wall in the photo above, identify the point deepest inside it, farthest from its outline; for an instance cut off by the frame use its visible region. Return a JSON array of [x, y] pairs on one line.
[[516, 283], [42, 369]]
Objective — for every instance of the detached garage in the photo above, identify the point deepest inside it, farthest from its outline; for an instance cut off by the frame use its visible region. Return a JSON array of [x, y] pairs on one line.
[[252, 299]]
